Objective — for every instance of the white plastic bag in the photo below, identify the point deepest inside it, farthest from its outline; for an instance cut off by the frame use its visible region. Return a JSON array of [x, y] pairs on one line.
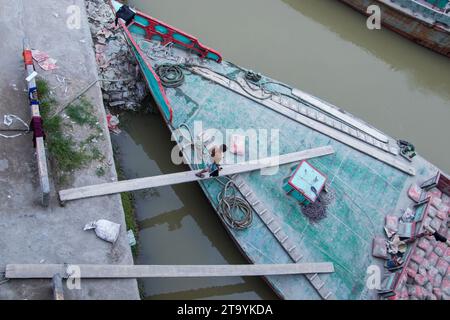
[[104, 229]]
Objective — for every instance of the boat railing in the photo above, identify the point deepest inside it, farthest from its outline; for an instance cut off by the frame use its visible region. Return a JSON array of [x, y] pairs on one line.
[[157, 30]]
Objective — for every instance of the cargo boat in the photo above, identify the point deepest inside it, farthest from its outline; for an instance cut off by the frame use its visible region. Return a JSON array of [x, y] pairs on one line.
[[371, 181], [426, 22]]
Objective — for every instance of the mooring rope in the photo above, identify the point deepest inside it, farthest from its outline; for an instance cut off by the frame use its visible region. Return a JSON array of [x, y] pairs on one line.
[[229, 206]]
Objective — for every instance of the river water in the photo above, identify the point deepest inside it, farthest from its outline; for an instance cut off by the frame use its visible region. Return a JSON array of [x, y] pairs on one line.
[[319, 46]]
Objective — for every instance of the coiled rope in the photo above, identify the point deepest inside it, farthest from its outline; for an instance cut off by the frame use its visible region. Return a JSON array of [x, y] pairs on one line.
[[171, 75], [235, 210]]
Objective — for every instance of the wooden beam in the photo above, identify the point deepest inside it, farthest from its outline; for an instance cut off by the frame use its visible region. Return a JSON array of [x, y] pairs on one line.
[[58, 289], [47, 271], [187, 176]]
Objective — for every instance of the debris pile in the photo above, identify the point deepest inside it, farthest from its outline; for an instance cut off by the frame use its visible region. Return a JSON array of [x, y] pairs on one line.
[[114, 59], [44, 60], [417, 251]]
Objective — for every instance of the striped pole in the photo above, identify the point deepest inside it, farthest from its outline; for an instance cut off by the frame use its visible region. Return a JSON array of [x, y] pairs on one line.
[[34, 105]]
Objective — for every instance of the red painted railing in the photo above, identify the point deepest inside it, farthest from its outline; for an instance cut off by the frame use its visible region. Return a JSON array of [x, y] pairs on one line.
[[169, 35]]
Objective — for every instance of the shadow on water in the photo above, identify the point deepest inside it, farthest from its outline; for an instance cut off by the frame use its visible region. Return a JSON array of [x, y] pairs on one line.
[[177, 223]]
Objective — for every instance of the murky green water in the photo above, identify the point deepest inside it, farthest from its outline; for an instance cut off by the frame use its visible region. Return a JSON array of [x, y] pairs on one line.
[[319, 46]]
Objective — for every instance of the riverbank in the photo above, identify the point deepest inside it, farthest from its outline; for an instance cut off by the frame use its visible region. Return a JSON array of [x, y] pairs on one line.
[[30, 233]]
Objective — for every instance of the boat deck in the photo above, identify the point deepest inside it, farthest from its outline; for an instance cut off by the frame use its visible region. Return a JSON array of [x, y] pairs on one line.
[[364, 189], [367, 179]]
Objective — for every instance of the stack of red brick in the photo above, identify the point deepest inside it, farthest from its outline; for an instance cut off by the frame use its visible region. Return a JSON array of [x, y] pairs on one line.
[[426, 274]]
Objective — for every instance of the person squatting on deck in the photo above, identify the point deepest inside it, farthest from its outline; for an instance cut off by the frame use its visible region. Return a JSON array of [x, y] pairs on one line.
[[213, 165], [36, 125]]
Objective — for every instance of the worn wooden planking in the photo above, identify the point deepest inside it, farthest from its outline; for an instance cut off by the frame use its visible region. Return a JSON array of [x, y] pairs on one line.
[[90, 271], [40, 146], [187, 176], [344, 138]]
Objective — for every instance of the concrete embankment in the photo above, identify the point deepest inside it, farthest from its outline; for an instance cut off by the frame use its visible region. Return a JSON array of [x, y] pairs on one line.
[[30, 233]]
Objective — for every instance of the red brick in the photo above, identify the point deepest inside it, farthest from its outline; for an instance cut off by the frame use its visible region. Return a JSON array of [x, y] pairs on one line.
[[436, 223], [396, 296], [438, 293], [417, 258], [447, 255], [437, 280], [416, 292], [414, 192], [402, 294], [442, 266], [432, 212], [442, 215], [420, 279], [414, 266], [433, 272], [435, 202], [432, 258], [411, 272], [440, 248], [420, 252], [444, 208], [444, 229], [422, 270], [435, 192], [445, 287], [424, 244]]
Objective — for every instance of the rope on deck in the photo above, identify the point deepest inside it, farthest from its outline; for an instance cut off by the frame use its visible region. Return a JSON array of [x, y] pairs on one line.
[[229, 206]]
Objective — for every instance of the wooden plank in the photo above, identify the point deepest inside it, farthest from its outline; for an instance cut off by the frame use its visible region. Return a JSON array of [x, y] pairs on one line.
[[344, 138], [187, 176], [40, 146], [47, 271], [43, 171], [333, 110]]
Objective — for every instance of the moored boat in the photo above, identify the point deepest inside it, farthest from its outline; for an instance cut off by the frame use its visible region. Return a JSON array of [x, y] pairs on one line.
[[330, 208], [426, 22]]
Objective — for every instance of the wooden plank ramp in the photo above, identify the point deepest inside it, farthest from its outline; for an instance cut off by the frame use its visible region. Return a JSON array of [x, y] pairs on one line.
[[90, 271], [275, 227], [187, 176]]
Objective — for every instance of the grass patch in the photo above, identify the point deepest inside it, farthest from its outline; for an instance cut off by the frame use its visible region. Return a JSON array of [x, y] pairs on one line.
[[65, 155]]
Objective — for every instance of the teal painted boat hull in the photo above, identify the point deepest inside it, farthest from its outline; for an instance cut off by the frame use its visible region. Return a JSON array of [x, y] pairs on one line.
[[367, 179]]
